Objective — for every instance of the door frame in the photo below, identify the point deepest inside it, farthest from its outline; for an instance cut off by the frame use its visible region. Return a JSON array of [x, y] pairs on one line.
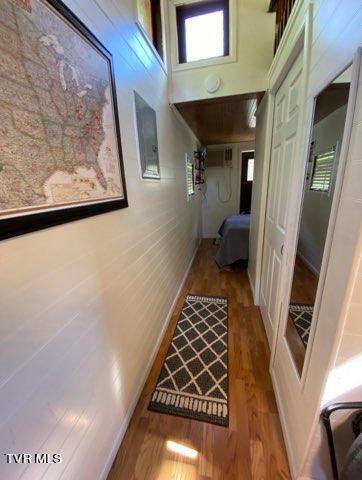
[[301, 42], [279, 68], [293, 238], [267, 104], [301, 386]]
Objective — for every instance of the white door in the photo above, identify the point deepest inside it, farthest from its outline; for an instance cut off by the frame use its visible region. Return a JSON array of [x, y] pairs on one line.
[[286, 122]]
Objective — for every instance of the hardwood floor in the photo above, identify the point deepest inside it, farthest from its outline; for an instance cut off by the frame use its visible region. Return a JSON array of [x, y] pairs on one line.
[[252, 446], [305, 283]]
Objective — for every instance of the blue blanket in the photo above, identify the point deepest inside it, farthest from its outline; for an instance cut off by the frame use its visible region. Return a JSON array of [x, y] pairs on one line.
[[234, 243]]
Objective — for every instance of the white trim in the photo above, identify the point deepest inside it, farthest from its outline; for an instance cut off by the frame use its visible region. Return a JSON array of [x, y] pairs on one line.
[[293, 224], [123, 428], [295, 221], [251, 285], [342, 162], [283, 423], [208, 62], [301, 45], [264, 190], [287, 46]]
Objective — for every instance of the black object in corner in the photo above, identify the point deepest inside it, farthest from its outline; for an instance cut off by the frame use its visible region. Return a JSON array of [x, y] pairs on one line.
[[325, 417]]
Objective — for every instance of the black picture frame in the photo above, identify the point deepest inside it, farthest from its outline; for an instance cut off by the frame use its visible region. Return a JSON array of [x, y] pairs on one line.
[[26, 223]]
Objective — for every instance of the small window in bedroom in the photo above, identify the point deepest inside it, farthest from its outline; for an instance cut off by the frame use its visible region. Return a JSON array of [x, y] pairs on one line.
[[203, 30], [322, 171], [190, 177], [250, 170]]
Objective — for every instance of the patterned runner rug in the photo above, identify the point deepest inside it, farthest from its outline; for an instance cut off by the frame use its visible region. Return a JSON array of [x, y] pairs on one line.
[[301, 315], [194, 380]]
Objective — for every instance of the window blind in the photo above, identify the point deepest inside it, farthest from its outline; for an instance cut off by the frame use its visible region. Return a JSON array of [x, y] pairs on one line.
[[322, 171], [190, 178]]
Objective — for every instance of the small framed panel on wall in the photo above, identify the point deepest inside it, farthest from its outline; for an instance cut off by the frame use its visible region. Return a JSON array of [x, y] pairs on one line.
[[60, 146], [147, 138]]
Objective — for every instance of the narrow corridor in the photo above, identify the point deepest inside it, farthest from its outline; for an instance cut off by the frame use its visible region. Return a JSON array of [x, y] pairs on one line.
[[252, 446]]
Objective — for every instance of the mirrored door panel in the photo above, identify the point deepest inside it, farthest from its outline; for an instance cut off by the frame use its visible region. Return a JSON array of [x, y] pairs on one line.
[[319, 185]]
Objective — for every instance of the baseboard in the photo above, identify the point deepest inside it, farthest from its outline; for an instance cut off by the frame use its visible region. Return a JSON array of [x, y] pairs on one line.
[[251, 286], [210, 235], [308, 264], [144, 377], [283, 423]]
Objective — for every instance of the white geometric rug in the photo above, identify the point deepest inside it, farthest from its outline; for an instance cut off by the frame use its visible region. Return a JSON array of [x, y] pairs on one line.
[[194, 377]]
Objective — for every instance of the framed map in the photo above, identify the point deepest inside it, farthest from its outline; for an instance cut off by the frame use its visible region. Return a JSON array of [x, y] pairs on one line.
[[60, 148]]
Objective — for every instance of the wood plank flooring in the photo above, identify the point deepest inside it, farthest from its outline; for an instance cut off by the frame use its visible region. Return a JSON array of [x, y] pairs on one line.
[[252, 446]]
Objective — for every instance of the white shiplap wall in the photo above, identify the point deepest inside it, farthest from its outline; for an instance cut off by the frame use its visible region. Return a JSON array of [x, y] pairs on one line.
[[83, 305]]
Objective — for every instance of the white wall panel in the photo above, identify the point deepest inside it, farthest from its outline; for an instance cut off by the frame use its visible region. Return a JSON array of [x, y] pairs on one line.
[[82, 305]]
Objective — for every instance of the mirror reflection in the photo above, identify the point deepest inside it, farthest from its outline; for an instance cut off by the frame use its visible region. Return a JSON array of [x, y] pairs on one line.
[[321, 171]]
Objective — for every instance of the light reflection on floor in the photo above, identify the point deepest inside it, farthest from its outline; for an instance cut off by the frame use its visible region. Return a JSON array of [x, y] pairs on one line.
[[181, 449], [181, 463]]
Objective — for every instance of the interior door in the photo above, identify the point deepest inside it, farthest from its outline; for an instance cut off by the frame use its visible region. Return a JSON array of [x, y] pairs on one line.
[[285, 127]]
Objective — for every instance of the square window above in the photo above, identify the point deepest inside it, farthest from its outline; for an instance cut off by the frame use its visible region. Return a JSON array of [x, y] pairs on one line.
[[203, 30]]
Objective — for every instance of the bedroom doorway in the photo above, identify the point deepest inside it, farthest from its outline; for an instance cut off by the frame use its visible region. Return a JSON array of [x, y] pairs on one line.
[[246, 181]]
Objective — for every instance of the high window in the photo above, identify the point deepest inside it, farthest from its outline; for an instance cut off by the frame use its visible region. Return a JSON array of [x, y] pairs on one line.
[[149, 17], [203, 30]]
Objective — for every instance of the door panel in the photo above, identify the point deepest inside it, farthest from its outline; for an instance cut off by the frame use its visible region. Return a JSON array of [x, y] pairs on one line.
[[286, 118]]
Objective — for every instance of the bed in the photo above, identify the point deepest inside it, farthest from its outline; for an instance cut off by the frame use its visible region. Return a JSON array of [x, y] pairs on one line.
[[234, 242]]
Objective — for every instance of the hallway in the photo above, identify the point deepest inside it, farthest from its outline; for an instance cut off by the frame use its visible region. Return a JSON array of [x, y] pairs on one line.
[[252, 446]]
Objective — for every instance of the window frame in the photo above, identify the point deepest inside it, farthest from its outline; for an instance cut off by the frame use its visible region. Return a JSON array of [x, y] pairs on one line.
[[315, 166], [175, 66], [195, 9]]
